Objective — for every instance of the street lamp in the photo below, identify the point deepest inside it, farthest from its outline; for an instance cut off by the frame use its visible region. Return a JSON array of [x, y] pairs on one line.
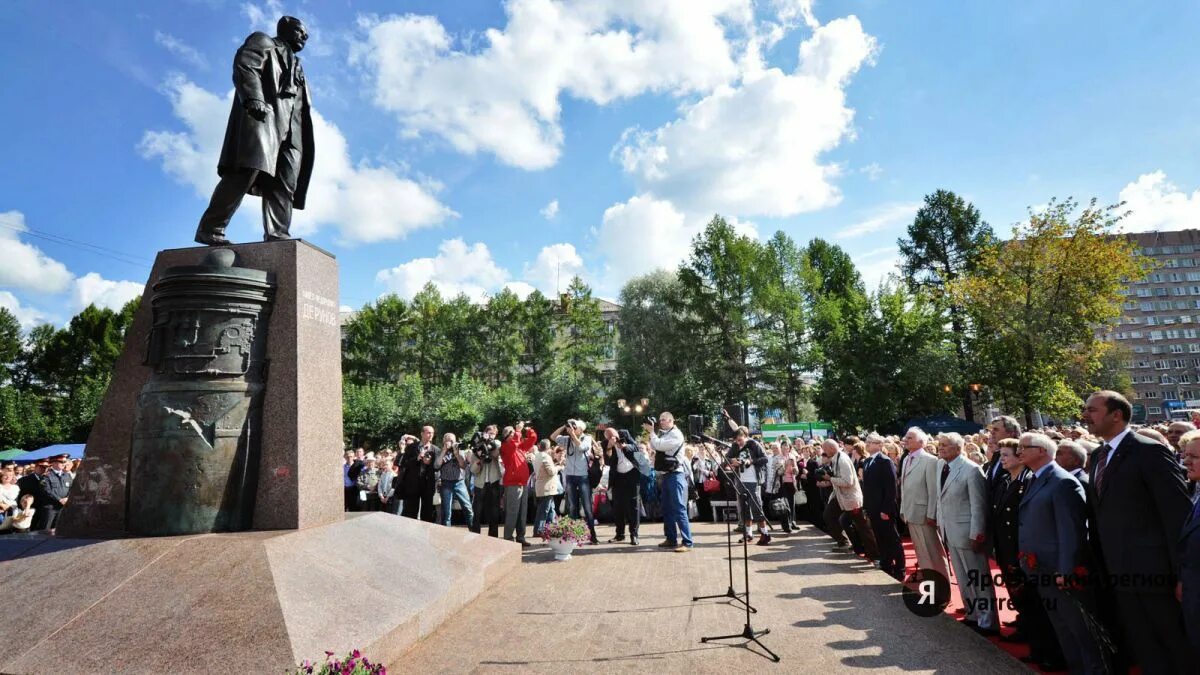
[[631, 408], [946, 388]]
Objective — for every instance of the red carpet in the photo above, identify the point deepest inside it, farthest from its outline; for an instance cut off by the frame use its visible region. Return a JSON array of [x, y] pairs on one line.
[[1006, 613]]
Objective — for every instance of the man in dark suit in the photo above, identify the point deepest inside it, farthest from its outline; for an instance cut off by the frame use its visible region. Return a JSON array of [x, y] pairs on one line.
[[882, 506], [1139, 498], [31, 484], [1188, 591], [56, 484], [1052, 536], [1072, 457], [268, 149]]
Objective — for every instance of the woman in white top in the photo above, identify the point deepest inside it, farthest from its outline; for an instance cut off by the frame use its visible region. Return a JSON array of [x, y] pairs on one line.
[[9, 490]]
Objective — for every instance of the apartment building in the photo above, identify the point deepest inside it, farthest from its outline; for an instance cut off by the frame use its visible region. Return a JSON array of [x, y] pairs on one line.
[[1160, 326]]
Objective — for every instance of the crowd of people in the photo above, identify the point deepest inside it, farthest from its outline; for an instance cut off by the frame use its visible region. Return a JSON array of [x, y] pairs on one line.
[[1094, 530], [32, 496]]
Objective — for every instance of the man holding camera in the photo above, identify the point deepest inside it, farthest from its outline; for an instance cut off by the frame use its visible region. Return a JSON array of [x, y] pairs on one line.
[[418, 478], [748, 461], [450, 464], [670, 461], [484, 458], [515, 450], [624, 480], [580, 453]]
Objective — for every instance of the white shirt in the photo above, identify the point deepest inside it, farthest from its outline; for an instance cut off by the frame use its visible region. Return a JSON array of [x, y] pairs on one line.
[[623, 463], [1038, 474], [1113, 443]]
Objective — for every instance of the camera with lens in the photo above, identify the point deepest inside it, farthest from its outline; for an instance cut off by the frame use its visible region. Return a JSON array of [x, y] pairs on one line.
[[823, 472], [650, 419], [480, 446]]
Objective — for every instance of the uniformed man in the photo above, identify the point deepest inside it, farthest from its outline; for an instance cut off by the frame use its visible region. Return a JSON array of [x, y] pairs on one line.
[[56, 483]]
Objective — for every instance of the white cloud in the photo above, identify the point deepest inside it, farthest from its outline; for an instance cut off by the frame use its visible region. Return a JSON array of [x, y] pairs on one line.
[[550, 210], [26, 266], [872, 171], [28, 317], [263, 17], [185, 52], [457, 268], [882, 219], [755, 148], [876, 264], [366, 203], [641, 235], [554, 268], [521, 288], [504, 97], [93, 289], [1156, 203]]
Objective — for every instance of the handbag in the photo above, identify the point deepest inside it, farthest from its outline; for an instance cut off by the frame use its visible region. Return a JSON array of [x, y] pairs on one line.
[[801, 498], [778, 508], [711, 484]]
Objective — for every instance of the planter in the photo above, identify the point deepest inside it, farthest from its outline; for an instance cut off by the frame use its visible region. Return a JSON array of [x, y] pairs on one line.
[[562, 549]]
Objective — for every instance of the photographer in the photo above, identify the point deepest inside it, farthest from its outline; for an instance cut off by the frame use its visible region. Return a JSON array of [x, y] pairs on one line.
[[670, 462], [580, 453], [747, 460], [844, 509], [624, 479], [418, 479], [484, 459], [547, 464], [515, 449], [449, 465]]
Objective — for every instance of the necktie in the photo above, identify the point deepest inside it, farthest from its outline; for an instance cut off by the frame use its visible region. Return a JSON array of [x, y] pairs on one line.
[[1195, 511], [1101, 463], [945, 475]]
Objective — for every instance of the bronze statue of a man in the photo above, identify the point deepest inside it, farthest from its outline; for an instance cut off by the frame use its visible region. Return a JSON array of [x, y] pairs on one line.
[[268, 148]]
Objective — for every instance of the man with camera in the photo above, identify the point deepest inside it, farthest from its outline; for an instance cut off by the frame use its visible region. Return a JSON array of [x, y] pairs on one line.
[[515, 447], [670, 461], [747, 460], [624, 480], [580, 453], [484, 459], [418, 478], [449, 464]]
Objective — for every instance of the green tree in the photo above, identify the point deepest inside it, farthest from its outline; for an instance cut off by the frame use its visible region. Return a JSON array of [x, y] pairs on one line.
[[718, 283], [535, 328], [375, 342], [10, 344], [783, 340], [656, 358], [945, 242], [583, 336], [500, 338], [1035, 302]]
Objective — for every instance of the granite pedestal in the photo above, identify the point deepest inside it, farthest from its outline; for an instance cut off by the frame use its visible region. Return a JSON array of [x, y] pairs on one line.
[[299, 476], [306, 579], [249, 602]]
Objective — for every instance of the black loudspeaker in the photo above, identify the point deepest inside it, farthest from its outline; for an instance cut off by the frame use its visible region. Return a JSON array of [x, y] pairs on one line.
[[736, 414], [695, 425]]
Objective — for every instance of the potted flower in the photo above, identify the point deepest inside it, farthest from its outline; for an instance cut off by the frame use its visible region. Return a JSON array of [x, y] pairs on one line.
[[353, 663], [563, 535]]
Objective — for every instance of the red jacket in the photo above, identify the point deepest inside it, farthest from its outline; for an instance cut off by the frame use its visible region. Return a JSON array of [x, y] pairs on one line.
[[512, 454]]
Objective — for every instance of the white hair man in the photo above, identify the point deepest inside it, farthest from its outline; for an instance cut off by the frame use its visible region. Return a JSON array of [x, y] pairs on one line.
[[962, 512], [1052, 534], [1071, 456], [845, 504], [919, 503]]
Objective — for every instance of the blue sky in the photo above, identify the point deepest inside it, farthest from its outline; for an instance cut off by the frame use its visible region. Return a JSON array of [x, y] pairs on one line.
[[482, 144]]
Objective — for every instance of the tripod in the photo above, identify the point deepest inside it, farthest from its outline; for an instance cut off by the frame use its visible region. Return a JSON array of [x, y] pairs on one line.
[[748, 633]]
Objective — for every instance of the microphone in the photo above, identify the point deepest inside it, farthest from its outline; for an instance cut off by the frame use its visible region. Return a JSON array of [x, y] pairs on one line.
[[721, 443]]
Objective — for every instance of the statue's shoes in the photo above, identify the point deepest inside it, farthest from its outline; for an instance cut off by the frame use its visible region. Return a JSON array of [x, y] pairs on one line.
[[212, 239], [276, 237]]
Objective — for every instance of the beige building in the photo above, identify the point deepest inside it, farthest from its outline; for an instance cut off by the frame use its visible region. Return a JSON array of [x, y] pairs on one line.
[[1160, 326]]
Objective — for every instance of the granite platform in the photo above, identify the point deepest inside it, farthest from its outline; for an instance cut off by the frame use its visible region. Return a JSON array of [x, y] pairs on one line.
[[242, 602]]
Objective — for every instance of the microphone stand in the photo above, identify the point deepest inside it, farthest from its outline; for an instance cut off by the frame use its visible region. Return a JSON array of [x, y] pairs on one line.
[[729, 592], [748, 633]]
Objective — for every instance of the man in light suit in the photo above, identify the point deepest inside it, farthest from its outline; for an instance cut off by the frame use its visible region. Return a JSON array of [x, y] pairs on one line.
[[918, 502], [1188, 589], [1139, 497], [962, 517], [1052, 531]]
